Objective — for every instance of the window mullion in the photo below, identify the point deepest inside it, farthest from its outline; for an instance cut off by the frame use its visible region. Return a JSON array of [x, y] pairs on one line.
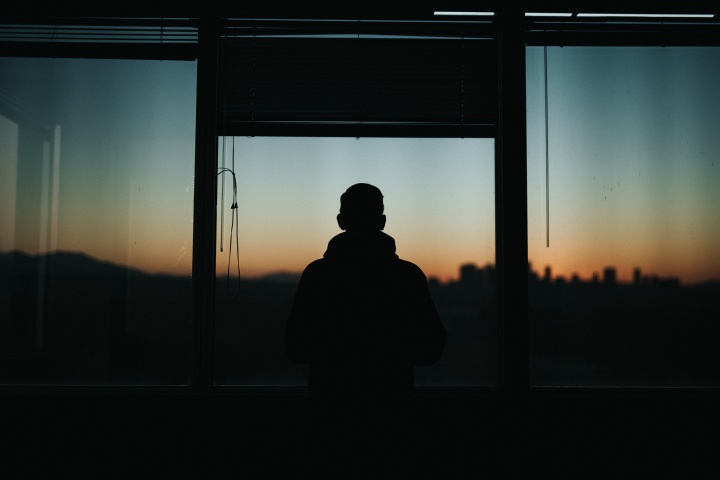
[[511, 205]]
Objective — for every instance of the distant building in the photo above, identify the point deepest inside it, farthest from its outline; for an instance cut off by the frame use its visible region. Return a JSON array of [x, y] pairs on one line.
[[610, 276], [532, 275], [637, 277], [469, 274], [668, 282]]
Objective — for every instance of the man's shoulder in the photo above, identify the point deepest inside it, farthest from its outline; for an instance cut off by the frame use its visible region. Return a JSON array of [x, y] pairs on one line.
[[410, 268], [315, 265], [399, 266]]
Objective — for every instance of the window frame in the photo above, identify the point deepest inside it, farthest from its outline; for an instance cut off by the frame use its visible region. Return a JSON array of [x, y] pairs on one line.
[[514, 33], [621, 28]]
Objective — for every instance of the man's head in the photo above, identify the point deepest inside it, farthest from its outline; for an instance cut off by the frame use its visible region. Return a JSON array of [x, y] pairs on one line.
[[361, 208]]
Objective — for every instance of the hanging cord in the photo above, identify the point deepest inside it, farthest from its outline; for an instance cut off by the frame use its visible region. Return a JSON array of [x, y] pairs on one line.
[[547, 158], [234, 224], [237, 220], [222, 197], [462, 81]]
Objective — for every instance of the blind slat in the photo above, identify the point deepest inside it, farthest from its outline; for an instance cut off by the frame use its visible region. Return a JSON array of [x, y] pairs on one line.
[[398, 80]]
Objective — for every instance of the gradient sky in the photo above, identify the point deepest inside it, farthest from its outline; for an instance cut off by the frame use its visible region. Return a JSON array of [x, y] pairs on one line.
[[120, 185], [633, 160], [439, 199]]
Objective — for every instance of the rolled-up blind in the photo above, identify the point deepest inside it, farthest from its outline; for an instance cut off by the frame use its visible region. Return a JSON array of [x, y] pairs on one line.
[[91, 37], [332, 79], [601, 30]]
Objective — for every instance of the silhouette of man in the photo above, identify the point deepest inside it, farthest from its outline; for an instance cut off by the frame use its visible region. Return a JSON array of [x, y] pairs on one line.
[[362, 317]]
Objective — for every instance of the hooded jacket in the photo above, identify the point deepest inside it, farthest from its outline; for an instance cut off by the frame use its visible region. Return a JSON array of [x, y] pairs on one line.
[[362, 318]]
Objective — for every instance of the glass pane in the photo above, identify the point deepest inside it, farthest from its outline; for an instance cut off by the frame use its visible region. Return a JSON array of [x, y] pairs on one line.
[[625, 292], [440, 208], [96, 202]]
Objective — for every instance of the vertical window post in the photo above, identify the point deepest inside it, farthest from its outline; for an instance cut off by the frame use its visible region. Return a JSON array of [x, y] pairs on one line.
[[511, 203], [204, 217]]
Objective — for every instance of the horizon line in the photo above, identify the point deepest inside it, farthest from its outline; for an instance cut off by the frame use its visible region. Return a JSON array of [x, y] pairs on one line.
[[574, 277]]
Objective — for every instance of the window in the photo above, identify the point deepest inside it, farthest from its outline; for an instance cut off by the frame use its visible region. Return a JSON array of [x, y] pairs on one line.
[[93, 173], [623, 216], [96, 175], [439, 202], [309, 108]]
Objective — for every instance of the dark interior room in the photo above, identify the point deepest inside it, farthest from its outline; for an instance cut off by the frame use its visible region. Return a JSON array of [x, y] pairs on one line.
[[167, 173]]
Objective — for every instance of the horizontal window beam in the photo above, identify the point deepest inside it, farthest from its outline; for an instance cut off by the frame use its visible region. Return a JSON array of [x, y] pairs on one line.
[[253, 129], [140, 51], [565, 38]]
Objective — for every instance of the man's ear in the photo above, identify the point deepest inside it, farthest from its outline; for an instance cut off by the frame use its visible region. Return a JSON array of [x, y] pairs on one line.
[[341, 221], [382, 222]]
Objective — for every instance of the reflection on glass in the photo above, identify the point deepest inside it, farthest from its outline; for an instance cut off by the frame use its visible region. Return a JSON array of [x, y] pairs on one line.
[[624, 283], [439, 202], [96, 201]]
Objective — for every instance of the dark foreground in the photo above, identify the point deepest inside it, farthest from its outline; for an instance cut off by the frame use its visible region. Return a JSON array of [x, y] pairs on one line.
[[540, 435]]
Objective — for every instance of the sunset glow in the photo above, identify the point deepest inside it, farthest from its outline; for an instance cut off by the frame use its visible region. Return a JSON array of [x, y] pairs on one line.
[[633, 162], [439, 199], [97, 156]]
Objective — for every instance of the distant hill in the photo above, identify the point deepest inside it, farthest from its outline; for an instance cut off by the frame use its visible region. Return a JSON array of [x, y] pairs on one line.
[[705, 286], [76, 263], [280, 277], [57, 263]]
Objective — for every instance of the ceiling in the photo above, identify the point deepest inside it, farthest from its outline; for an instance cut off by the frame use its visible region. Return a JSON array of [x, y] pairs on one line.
[[370, 9]]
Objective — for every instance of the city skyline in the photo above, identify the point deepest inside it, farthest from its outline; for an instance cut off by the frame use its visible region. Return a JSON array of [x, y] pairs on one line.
[[467, 272]]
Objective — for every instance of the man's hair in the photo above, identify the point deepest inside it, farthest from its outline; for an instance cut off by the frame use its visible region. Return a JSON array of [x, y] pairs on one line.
[[362, 204]]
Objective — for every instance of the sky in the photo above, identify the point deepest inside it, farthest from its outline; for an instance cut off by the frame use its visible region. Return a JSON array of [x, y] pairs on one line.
[[633, 159], [97, 156], [114, 177], [438, 195]]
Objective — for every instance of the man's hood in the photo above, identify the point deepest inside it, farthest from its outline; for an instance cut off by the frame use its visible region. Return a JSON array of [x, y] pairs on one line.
[[361, 245]]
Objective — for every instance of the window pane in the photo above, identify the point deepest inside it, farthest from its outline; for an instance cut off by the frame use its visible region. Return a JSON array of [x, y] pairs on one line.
[[625, 293], [440, 207], [96, 202]]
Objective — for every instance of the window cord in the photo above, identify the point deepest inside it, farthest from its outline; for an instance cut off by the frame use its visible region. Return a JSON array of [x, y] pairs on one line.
[[222, 198], [234, 227], [547, 159]]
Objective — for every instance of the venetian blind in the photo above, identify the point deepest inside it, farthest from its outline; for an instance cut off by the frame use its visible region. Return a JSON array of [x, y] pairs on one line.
[[350, 77]]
